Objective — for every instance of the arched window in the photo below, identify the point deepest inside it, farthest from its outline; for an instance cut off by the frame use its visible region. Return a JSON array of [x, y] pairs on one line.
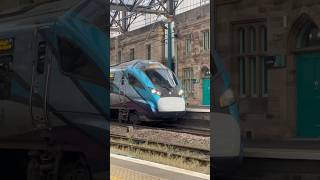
[[263, 39], [252, 41], [309, 36], [205, 72], [242, 47]]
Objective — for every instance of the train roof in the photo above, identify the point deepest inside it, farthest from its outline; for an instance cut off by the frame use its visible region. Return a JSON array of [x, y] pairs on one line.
[[50, 11], [140, 63]]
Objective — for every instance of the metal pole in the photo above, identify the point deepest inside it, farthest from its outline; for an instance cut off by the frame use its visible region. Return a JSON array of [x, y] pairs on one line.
[[170, 46], [170, 6]]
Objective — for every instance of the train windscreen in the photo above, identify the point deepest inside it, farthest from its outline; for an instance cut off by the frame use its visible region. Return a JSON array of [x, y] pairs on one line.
[[162, 77]]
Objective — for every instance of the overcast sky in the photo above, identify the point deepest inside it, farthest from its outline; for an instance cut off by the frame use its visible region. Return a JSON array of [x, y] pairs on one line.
[[147, 19]]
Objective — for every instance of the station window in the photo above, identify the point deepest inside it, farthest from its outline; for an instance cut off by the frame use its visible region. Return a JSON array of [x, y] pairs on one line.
[[242, 44], [253, 76], [74, 62], [131, 56], [263, 39], [148, 51], [252, 40], [119, 57], [188, 47], [242, 76], [206, 40], [264, 77], [187, 80], [310, 36]]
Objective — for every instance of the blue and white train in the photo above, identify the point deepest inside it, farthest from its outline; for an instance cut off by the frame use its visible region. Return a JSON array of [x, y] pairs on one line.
[[145, 90], [226, 145], [53, 90]]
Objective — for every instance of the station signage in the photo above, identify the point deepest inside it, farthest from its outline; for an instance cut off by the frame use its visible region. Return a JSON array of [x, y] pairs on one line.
[[277, 61], [6, 45]]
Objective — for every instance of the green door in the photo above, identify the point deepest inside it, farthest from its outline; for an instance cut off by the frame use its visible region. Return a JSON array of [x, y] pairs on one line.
[[206, 91], [308, 95]]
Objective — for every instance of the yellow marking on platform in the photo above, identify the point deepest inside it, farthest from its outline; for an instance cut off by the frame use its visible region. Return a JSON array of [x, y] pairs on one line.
[[116, 178], [120, 173]]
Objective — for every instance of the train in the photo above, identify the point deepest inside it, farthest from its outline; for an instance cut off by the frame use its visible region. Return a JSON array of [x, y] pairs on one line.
[[226, 144], [53, 91], [145, 90]]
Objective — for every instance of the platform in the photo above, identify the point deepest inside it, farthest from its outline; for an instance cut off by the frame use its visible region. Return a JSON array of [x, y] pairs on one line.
[[205, 109], [303, 149], [127, 168]]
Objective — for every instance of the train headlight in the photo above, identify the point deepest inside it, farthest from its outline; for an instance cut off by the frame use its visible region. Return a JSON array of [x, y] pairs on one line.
[[227, 98], [180, 92], [154, 91]]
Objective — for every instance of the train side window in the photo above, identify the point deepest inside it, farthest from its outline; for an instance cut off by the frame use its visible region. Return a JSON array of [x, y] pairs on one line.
[[5, 76], [77, 63], [114, 88], [134, 81]]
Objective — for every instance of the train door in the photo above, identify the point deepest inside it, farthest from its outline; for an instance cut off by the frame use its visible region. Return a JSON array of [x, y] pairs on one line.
[[308, 95], [40, 78]]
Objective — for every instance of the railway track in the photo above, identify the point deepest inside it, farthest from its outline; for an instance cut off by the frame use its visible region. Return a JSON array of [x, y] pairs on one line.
[[185, 152], [179, 128]]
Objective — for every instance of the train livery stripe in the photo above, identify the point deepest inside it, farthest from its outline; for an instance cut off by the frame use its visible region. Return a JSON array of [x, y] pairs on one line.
[[95, 94], [233, 109], [89, 38]]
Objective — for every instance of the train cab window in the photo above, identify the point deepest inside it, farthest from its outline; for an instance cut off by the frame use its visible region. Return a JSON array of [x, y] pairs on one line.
[[133, 81], [161, 77], [5, 76], [77, 63]]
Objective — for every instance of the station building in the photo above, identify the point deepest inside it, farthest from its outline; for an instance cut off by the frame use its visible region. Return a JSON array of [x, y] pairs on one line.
[[191, 51], [272, 50], [192, 38], [147, 42]]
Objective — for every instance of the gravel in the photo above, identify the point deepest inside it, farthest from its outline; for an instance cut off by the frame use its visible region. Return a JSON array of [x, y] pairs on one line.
[[163, 136]]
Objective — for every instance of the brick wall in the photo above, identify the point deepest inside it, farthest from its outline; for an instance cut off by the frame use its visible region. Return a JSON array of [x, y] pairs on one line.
[[193, 23]]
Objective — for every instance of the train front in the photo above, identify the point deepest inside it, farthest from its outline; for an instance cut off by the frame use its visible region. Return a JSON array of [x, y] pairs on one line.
[[167, 98]]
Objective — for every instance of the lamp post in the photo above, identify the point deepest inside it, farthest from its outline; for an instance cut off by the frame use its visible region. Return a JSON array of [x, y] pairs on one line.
[[170, 5]]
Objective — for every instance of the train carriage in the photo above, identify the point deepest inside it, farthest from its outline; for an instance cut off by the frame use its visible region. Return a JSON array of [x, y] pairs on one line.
[[53, 89], [147, 90]]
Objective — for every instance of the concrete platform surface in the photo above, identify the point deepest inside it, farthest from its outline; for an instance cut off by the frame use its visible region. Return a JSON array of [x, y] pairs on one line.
[[127, 168], [204, 109], [304, 149]]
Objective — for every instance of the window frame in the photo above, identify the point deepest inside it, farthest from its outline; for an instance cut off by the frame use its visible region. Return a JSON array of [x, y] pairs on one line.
[[187, 80], [247, 35], [206, 40], [148, 54], [132, 54], [119, 56], [188, 45], [253, 76]]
